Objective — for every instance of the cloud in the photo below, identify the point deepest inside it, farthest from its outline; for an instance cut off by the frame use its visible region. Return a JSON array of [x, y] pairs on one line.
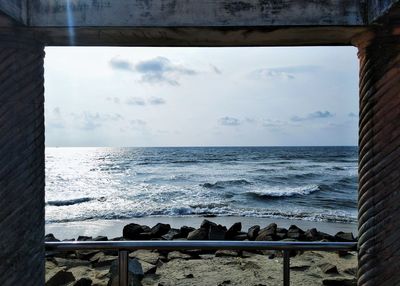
[[90, 121], [284, 73], [312, 116], [113, 99], [229, 121], [352, 115], [55, 119], [156, 101], [161, 70], [121, 64], [135, 101]]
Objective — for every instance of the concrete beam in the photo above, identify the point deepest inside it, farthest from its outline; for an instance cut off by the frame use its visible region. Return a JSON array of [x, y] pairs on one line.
[[195, 13], [15, 9]]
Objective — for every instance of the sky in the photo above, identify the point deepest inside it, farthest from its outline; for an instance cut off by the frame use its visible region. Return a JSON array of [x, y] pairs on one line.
[[128, 97]]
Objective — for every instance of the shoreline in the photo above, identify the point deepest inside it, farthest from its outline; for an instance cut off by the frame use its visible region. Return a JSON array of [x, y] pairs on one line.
[[113, 228]]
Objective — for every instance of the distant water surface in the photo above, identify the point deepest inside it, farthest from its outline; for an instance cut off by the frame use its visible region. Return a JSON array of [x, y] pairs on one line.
[[309, 183]]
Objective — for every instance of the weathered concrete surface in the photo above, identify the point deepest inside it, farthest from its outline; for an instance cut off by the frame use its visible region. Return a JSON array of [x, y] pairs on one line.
[[194, 13], [22, 160], [378, 9], [16, 9]]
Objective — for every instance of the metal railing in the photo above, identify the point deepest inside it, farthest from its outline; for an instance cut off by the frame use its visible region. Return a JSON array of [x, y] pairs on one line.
[[123, 248]]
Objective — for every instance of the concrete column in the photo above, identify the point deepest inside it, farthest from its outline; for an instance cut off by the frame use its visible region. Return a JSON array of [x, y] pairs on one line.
[[21, 160], [379, 157]]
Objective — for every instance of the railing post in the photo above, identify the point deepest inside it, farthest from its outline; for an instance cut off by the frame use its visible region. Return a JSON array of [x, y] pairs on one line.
[[123, 267], [286, 268]]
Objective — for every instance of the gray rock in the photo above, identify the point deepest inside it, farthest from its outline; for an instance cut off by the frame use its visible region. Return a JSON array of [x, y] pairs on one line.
[[253, 232], [268, 233], [172, 234], [344, 236], [240, 237], [146, 255], [216, 232], [135, 273], [60, 277], [84, 238], [312, 234], [233, 230], [69, 263], [178, 255], [206, 224], [328, 268], [226, 253], [160, 229], [185, 231], [86, 254], [295, 233], [100, 238], [198, 234], [50, 238], [133, 231]]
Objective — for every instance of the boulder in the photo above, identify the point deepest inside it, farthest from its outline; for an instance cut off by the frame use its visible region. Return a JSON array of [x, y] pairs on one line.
[[135, 273], [83, 282], [344, 236], [101, 260], [160, 229], [133, 231], [198, 234], [50, 238], [312, 235], [69, 263], [240, 236], [233, 230], [295, 232], [281, 233], [268, 233], [86, 254], [172, 234], [206, 224], [100, 238], [185, 231], [146, 255], [216, 232], [227, 253], [253, 232], [84, 238], [178, 255], [60, 277], [328, 268]]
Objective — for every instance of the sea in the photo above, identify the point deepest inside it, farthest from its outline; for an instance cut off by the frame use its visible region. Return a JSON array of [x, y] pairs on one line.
[[306, 183]]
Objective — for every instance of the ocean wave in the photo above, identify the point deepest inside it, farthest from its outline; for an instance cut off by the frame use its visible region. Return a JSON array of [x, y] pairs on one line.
[[224, 184], [71, 202], [284, 193]]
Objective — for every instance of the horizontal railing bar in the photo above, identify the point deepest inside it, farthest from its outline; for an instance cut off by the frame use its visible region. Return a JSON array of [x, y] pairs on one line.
[[206, 245]]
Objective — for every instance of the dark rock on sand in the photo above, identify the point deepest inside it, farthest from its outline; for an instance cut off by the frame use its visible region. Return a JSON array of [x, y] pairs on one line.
[[185, 231], [216, 232], [198, 234], [133, 231], [328, 268], [60, 277], [160, 229], [83, 282], [206, 224], [172, 234], [344, 236], [233, 230], [253, 232], [268, 233], [295, 233], [50, 238]]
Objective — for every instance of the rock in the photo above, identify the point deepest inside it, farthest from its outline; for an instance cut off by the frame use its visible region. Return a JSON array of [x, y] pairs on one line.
[[268, 233], [325, 236], [160, 229], [216, 232], [185, 230], [312, 234], [145, 255], [233, 230], [60, 277], [178, 255], [190, 275], [253, 232], [148, 268], [83, 282], [226, 253], [206, 224], [135, 273], [198, 234], [339, 281], [84, 238], [101, 260], [133, 231], [100, 238], [281, 233], [172, 234], [86, 254], [328, 268], [240, 237], [50, 238], [69, 263], [351, 271], [295, 232], [344, 236]]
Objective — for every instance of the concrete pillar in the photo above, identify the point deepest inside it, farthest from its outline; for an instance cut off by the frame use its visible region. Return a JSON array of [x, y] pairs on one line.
[[379, 157], [22, 160]]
